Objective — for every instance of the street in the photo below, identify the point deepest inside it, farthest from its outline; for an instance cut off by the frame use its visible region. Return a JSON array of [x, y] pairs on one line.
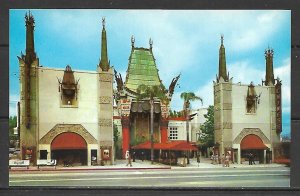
[[174, 177]]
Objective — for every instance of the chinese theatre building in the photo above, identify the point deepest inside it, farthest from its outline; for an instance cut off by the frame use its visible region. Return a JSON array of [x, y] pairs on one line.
[[65, 114], [247, 116], [135, 115]]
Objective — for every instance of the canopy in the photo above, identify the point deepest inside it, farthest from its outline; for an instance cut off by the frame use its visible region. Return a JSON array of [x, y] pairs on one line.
[[252, 142], [173, 145], [67, 141]]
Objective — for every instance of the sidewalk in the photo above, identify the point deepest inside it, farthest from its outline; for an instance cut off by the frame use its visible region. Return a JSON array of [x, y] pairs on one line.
[[118, 165], [142, 165], [206, 163]]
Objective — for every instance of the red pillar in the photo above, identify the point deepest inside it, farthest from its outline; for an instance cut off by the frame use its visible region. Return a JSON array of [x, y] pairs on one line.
[[125, 135], [164, 130]]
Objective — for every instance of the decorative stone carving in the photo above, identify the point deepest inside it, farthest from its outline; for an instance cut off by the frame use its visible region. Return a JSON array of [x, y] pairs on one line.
[[63, 128], [125, 121], [227, 125], [164, 122], [227, 106], [105, 122], [105, 99], [104, 144], [105, 77], [254, 131]]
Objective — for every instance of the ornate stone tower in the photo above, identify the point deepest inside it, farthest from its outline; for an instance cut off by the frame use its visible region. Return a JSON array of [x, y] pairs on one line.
[[29, 95], [223, 105], [105, 92], [275, 99]]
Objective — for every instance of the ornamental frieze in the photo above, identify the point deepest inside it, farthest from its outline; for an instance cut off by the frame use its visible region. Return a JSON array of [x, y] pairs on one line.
[[105, 122], [64, 128], [125, 121], [105, 99], [164, 122], [105, 144], [254, 131], [105, 77]]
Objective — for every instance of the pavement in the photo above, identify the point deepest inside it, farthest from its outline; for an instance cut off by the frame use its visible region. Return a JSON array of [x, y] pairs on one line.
[[141, 165]]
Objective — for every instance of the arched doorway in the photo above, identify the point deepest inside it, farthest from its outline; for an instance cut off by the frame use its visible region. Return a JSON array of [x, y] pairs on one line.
[[69, 148], [253, 144]]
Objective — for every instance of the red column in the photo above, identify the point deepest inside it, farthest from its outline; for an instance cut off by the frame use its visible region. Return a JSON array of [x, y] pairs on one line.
[[125, 135], [164, 130]]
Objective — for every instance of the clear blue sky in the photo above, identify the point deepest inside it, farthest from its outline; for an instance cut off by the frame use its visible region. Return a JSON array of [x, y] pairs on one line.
[[185, 42]]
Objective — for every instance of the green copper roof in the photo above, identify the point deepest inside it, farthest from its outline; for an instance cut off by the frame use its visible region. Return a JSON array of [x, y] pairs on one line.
[[141, 69]]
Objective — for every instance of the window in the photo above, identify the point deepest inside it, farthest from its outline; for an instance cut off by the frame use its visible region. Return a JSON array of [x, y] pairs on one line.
[[173, 133]]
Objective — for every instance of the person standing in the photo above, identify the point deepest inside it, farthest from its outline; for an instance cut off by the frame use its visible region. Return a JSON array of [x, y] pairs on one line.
[[223, 160], [227, 159], [198, 159], [143, 156], [252, 159], [129, 160]]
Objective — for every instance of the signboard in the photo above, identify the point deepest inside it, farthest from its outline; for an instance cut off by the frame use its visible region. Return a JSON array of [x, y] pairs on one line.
[[49, 162], [106, 153], [125, 107], [278, 107], [18, 162]]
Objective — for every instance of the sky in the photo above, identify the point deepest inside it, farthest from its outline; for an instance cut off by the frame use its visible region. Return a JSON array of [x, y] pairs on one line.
[[185, 42]]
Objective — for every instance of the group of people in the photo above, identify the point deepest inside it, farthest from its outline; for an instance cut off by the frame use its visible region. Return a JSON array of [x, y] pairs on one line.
[[224, 160]]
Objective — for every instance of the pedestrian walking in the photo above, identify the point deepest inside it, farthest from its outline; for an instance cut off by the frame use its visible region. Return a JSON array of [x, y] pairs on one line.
[[198, 159], [212, 158], [227, 159], [217, 159], [129, 161], [250, 158], [133, 156], [223, 160], [143, 156]]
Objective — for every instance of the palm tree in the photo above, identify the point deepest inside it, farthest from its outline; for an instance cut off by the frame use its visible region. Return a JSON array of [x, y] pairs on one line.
[[187, 98], [152, 92]]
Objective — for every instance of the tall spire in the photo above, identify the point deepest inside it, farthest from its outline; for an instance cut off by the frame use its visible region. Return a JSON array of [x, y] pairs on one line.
[[269, 81], [150, 43], [104, 64], [30, 53], [222, 62]]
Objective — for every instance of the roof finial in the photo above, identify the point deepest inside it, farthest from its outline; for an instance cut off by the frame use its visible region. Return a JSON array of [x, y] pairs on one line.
[[103, 22], [132, 41], [222, 38], [150, 43]]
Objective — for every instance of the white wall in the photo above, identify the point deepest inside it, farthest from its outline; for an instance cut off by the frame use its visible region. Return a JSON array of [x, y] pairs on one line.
[[198, 120], [240, 119], [50, 110], [181, 129]]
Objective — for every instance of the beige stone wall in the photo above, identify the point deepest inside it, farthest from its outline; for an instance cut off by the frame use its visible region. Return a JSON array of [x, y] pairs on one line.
[[51, 110], [262, 119], [105, 109]]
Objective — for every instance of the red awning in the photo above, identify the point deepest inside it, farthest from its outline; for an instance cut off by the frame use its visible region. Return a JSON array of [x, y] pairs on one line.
[[173, 145], [68, 140], [252, 142]]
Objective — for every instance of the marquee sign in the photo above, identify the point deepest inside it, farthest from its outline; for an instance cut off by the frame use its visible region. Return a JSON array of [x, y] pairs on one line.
[[278, 107]]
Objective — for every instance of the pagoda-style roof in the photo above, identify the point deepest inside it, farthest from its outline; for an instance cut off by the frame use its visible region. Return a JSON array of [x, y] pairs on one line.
[[141, 69]]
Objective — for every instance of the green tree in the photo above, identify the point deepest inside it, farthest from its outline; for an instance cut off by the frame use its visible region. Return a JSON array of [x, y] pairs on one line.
[[187, 98], [207, 129], [12, 123], [151, 93], [116, 138]]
